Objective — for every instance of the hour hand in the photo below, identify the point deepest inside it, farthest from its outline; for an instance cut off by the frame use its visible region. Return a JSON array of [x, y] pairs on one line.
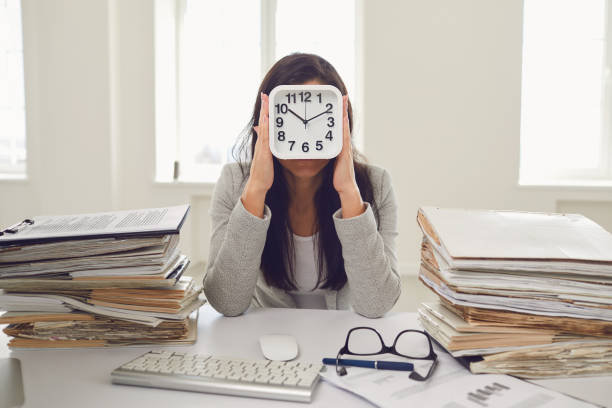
[[298, 116]]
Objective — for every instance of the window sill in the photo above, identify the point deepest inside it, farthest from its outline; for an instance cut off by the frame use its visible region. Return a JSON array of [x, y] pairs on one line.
[[597, 185], [14, 179]]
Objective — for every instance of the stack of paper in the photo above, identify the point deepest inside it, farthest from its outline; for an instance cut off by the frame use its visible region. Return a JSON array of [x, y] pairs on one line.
[[526, 294], [102, 279]]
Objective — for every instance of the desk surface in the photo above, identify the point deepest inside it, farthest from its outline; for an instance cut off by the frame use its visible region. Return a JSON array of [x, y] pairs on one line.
[[77, 378]]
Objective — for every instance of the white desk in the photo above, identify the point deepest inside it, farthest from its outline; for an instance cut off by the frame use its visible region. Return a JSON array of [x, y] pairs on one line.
[[78, 378]]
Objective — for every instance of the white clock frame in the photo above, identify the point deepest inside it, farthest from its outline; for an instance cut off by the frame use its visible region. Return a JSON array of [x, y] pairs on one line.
[[330, 148]]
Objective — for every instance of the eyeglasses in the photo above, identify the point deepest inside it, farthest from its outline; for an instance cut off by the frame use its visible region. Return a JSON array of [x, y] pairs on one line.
[[366, 341]]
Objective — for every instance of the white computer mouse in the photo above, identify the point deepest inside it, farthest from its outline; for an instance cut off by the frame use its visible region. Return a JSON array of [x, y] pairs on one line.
[[278, 347]]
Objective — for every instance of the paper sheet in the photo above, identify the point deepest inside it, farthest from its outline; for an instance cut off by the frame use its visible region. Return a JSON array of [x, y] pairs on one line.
[[154, 220], [519, 235], [531, 306], [451, 386]]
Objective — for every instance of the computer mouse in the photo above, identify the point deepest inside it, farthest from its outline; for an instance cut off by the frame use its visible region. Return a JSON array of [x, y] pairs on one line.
[[278, 347]]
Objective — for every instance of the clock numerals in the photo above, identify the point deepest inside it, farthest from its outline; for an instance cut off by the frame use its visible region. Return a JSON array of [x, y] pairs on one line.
[[319, 145], [303, 97], [281, 135], [319, 96], [329, 136], [330, 121], [329, 108], [281, 108], [291, 142], [279, 122], [305, 147]]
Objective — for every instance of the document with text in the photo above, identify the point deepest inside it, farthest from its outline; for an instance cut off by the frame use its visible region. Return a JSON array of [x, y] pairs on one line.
[[167, 220], [451, 386]]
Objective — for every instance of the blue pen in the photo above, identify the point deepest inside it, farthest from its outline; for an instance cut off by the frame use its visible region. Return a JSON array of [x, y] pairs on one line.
[[379, 365]]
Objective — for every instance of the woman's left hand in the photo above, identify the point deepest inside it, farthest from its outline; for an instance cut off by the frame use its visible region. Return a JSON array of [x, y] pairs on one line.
[[344, 171]]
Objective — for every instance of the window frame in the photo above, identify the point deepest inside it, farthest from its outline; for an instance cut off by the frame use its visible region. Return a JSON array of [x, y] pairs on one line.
[[171, 12]]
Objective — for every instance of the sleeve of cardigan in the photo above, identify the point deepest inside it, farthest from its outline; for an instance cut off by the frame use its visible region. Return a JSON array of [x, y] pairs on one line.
[[369, 254], [236, 244]]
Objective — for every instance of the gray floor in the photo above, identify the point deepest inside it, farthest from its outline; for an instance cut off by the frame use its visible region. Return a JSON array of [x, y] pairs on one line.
[[413, 293]]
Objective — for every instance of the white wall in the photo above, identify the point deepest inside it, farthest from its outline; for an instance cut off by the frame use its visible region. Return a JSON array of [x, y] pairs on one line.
[[68, 111], [442, 104]]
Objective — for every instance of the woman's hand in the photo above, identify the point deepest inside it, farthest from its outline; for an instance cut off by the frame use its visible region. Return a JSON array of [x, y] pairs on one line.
[[344, 172], [261, 176]]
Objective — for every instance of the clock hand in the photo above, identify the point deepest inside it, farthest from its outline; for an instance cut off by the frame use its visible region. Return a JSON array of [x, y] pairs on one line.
[[305, 120], [298, 116], [322, 113]]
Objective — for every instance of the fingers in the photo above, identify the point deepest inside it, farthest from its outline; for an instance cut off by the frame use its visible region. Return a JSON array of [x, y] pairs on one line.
[[263, 118], [261, 107], [262, 128], [262, 146], [265, 104], [346, 130]]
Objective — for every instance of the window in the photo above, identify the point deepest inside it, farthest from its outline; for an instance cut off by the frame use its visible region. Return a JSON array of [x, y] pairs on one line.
[[224, 48], [566, 92], [12, 105], [322, 27]]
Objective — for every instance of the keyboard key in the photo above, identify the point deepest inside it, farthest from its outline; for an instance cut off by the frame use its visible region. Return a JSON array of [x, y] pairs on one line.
[[261, 379], [308, 379], [233, 376], [247, 378], [291, 381], [277, 380]]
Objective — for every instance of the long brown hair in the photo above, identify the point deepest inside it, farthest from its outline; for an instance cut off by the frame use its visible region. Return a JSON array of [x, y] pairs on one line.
[[277, 260]]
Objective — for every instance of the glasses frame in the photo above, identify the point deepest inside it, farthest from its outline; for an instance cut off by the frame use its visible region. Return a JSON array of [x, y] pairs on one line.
[[341, 370]]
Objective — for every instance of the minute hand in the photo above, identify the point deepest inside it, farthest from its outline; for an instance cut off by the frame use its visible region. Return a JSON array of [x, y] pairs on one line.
[[316, 116]]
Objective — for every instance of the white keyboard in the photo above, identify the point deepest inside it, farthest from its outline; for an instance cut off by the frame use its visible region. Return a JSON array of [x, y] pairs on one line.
[[291, 381]]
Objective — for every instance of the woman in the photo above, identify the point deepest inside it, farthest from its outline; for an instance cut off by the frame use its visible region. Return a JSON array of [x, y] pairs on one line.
[[301, 233]]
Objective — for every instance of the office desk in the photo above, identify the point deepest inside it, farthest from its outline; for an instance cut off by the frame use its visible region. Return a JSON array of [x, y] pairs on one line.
[[81, 378]]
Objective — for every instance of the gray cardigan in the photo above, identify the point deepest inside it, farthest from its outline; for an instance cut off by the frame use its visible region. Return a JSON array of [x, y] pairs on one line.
[[234, 280]]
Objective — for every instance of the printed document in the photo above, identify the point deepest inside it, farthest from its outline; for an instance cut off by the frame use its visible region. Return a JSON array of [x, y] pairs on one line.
[[451, 386], [115, 223]]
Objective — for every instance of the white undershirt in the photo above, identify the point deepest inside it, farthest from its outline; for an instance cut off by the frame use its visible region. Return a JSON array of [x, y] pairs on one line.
[[306, 275]]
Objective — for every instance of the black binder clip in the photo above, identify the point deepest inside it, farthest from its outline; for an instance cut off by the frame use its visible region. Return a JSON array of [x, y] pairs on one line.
[[13, 229]]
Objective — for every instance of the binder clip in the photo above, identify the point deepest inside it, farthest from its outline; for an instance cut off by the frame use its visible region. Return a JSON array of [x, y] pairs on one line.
[[13, 229]]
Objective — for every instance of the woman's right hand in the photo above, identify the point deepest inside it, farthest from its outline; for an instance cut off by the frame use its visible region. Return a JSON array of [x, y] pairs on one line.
[[262, 166]]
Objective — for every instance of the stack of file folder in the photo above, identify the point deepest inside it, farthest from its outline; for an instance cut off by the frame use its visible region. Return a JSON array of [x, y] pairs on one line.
[[525, 294], [95, 280]]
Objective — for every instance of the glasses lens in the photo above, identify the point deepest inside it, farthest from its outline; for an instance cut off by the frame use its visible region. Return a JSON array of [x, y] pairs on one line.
[[364, 341], [412, 344]]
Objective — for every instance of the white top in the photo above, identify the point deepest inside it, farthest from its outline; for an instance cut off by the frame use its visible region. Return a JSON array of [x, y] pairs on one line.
[[306, 274]]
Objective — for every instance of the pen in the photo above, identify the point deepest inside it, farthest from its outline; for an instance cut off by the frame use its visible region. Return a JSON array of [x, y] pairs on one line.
[[379, 365]]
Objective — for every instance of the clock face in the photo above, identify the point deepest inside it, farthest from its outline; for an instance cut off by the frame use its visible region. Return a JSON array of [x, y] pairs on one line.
[[305, 121]]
